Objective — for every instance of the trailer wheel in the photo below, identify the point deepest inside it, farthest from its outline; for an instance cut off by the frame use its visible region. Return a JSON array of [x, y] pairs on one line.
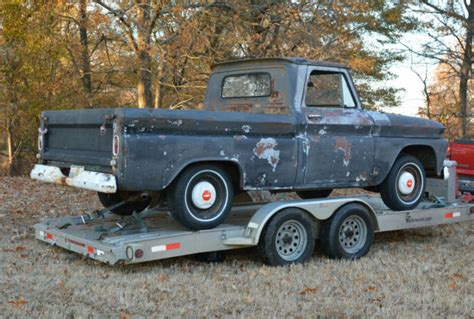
[[108, 200], [313, 194], [349, 233], [288, 238], [201, 197], [404, 186]]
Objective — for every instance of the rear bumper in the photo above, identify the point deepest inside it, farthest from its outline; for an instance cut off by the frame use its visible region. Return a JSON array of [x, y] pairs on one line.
[[466, 184], [78, 177]]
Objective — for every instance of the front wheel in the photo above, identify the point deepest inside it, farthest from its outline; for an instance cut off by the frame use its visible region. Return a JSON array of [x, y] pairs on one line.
[[404, 186], [201, 197]]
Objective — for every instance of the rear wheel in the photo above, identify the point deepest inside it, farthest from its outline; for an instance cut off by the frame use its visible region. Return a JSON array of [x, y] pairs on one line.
[[349, 233], [319, 193], [404, 186], [108, 200], [201, 197], [288, 238]]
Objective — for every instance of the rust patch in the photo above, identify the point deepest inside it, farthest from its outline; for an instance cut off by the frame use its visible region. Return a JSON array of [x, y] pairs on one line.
[[343, 145], [265, 149]]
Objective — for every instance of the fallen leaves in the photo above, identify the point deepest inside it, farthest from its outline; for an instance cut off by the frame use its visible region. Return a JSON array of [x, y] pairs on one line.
[[308, 290], [18, 303]]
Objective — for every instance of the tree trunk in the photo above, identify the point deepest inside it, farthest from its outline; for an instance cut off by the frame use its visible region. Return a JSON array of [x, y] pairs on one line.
[[466, 70], [10, 150], [85, 57], [145, 85]]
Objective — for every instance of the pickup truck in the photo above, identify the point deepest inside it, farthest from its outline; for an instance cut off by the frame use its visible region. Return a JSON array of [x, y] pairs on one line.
[[462, 151], [278, 124]]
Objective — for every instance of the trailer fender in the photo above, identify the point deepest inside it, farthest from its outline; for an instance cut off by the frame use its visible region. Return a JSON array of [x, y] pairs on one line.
[[320, 209]]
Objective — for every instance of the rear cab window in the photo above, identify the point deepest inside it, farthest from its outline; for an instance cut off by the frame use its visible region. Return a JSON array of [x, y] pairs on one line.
[[261, 91]]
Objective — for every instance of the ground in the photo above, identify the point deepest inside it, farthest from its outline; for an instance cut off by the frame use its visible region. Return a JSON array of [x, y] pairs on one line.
[[415, 273]]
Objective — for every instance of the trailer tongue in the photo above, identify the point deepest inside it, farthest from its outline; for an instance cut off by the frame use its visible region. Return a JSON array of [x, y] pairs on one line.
[[285, 231]]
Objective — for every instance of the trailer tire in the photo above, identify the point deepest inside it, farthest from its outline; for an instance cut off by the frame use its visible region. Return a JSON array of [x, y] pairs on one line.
[[404, 186], [348, 233], [288, 238], [201, 197], [108, 200]]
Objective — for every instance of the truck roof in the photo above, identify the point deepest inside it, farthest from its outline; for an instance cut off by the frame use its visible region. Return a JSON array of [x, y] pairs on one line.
[[294, 60]]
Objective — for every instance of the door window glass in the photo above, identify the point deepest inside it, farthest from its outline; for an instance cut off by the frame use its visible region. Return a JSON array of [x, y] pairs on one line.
[[328, 89]]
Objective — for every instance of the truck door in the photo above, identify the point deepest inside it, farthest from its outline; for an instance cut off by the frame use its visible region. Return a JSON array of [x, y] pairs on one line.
[[340, 148]]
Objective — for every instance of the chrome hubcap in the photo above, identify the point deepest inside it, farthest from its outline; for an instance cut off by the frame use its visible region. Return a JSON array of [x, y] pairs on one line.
[[203, 195], [406, 183]]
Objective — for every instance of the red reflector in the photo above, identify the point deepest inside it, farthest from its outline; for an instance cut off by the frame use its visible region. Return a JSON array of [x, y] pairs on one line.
[[448, 215], [173, 246], [90, 249], [49, 236]]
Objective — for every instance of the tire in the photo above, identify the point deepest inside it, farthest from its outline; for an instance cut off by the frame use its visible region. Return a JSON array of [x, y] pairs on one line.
[[201, 197], [349, 233], [108, 200], [397, 190], [288, 238], [313, 194]]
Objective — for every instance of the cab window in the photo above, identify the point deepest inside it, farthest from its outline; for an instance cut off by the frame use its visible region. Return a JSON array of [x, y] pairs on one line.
[[328, 89], [246, 85]]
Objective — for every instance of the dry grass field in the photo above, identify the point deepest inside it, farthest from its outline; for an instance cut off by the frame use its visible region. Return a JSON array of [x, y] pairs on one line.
[[415, 273]]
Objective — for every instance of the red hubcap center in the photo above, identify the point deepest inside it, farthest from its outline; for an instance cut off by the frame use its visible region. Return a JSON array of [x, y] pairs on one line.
[[206, 195], [409, 183]]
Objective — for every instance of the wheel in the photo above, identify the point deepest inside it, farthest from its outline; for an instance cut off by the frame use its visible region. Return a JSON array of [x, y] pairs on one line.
[[108, 200], [404, 186], [319, 193], [201, 197], [288, 238], [349, 233]]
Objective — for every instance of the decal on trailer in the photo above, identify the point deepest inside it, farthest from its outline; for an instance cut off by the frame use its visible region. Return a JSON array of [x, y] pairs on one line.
[[452, 215], [166, 247]]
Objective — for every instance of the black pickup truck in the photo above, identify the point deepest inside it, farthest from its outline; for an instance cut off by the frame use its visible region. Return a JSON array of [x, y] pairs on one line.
[[278, 124]]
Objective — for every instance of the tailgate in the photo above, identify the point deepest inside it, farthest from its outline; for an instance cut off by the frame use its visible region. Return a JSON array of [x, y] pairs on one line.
[[74, 137]]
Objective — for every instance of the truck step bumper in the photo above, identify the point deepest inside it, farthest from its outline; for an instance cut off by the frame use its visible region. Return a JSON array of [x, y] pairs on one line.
[[78, 177]]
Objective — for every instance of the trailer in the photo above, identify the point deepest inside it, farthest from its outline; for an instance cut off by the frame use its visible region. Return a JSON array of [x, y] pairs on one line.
[[285, 232]]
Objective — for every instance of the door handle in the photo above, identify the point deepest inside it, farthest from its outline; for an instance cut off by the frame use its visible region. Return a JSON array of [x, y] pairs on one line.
[[313, 117]]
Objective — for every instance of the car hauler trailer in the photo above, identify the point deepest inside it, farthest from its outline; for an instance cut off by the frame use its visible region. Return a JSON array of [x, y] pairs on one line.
[[284, 231]]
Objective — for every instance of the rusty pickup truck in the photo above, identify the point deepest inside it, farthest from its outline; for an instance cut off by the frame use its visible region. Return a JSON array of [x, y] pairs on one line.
[[278, 124]]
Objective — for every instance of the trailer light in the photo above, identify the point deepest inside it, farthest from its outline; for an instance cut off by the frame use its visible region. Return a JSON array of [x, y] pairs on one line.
[[115, 145], [138, 253], [49, 236], [129, 253], [90, 249]]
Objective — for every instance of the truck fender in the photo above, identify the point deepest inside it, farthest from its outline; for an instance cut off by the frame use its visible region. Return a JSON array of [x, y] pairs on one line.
[[210, 160]]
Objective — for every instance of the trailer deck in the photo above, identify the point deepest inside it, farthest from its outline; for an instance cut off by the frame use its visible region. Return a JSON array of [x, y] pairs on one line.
[[165, 238]]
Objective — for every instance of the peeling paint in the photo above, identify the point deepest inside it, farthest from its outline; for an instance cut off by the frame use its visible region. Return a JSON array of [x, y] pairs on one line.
[[246, 128], [343, 145], [175, 122], [304, 142], [265, 149], [240, 137]]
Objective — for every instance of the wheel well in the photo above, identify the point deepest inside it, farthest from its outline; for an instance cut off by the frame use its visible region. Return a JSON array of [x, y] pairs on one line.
[[230, 167], [425, 154]]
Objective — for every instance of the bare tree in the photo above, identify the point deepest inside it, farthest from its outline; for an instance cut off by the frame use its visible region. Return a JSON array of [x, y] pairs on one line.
[[452, 20], [138, 22]]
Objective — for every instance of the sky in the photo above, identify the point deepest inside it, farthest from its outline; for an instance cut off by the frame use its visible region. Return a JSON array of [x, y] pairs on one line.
[[405, 78]]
